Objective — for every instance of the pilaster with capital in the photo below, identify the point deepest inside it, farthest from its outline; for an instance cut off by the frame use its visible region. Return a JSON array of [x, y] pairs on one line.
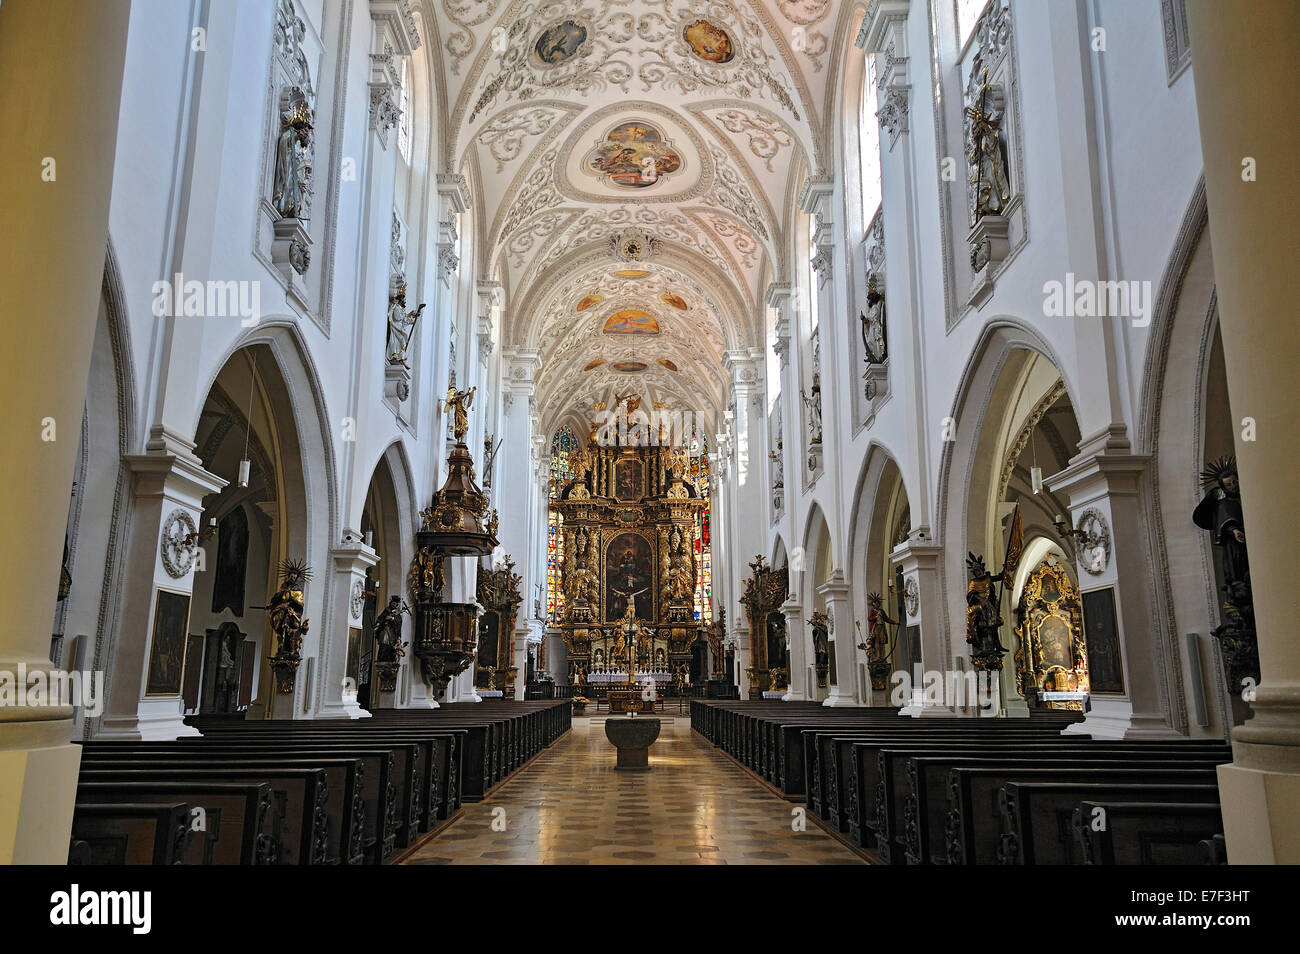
[[849, 685]]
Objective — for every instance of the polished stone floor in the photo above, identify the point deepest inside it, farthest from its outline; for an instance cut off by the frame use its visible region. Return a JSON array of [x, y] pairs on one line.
[[569, 806]]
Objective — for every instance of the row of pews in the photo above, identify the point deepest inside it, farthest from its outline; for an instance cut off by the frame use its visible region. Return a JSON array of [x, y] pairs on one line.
[[286, 792], [979, 791]]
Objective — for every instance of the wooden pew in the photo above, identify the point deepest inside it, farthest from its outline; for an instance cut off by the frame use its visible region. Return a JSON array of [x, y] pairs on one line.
[[978, 817], [302, 788], [1144, 833], [129, 833], [239, 816], [919, 781]]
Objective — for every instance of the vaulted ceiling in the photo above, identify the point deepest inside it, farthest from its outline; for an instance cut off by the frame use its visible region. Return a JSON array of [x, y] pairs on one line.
[[605, 137]]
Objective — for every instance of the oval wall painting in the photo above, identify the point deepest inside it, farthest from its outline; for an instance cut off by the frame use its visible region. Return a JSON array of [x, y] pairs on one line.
[[560, 42], [631, 321], [709, 42], [628, 367], [677, 301], [664, 362], [631, 273], [588, 302], [594, 364]]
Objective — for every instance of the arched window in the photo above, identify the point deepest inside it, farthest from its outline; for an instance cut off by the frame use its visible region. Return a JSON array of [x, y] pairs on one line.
[[404, 125], [869, 144], [814, 280], [968, 14], [563, 446], [699, 476]]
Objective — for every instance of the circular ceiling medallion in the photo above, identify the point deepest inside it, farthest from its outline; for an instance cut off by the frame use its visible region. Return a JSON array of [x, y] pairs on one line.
[[561, 42], [709, 42], [631, 321], [588, 302], [629, 367], [594, 364], [631, 273], [634, 155], [667, 364], [677, 301]]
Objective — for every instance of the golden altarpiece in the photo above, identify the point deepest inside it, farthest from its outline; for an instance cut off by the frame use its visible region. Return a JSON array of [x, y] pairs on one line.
[[765, 591], [1051, 655], [628, 535]]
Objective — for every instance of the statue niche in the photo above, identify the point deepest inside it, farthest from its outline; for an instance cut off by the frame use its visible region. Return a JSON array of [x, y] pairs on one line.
[[629, 575]]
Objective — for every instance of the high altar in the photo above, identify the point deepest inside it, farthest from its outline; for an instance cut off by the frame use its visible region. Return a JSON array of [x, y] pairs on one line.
[[628, 523]]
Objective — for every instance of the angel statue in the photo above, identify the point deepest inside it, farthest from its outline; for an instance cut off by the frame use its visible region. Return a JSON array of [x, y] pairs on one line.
[[459, 403], [401, 327]]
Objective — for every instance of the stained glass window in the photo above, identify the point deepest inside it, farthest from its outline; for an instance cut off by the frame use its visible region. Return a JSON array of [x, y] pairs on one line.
[[563, 447], [699, 476]]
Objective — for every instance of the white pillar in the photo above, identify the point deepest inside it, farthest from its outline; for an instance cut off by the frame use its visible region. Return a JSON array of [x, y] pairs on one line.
[[51, 266], [1243, 62], [797, 653], [348, 565], [1104, 480], [846, 691], [920, 563]]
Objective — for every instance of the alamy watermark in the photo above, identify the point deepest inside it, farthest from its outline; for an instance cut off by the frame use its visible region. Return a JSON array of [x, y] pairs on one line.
[[41, 689], [179, 298], [965, 689], [1083, 298]]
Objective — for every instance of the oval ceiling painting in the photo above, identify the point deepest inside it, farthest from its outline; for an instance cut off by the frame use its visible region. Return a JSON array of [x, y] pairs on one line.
[[709, 42], [560, 42], [664, 362], [588, 302], [594, 364], [628, 367], [677, 301], [631, 321], [631, 273], [634, 155]]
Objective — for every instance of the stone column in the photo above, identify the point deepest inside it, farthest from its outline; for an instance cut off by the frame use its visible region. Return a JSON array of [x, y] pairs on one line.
[[1243, 62], [59, 95], [169, 485], [847, 689], [347, 580], [1102, 483], [797, 653], [920, 561]]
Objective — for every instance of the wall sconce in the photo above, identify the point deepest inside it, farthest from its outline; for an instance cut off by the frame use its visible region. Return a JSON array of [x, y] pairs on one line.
[[198, 536]]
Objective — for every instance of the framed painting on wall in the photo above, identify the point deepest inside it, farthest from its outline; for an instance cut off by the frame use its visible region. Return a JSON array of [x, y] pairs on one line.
[[171, 619], [1101, 633]]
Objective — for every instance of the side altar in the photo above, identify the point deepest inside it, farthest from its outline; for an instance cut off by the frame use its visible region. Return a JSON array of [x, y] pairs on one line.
[[627, 520]]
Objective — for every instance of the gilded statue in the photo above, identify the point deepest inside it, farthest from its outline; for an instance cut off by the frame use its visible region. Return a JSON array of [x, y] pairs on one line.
[[583, 586], [284, 611], [291, 195], [459, 403], [426, 578]]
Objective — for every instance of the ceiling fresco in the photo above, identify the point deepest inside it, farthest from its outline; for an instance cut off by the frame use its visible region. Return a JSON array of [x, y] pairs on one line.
[[576, 122]]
